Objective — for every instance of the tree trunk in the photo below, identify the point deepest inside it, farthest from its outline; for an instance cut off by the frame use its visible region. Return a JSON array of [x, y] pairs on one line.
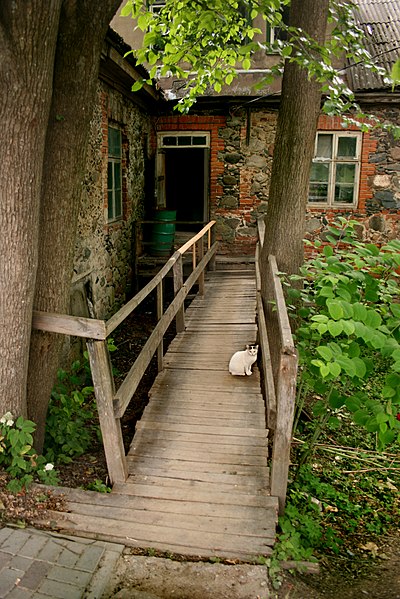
[[83, 26], [294, 143], [28, 33]]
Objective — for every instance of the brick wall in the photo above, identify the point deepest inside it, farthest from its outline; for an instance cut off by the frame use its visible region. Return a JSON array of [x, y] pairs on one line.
[[241, 159]]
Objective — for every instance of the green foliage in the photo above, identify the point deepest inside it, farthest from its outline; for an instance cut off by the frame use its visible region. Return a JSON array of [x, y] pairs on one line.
[[70, 423], [349, 326], [214, 39], [99, 486], [335, 508], [18, 457]]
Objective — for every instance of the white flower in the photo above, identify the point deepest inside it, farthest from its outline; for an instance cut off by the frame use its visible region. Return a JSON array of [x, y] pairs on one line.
[[49, 467], [7, 419]]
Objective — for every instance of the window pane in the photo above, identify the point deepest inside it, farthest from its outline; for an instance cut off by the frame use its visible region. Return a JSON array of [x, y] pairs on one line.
[[184, 140], [169, 141], [118, 203], [110, 206], [347, 146], [114, 142], [199, 140], [345, 173], [324, 146], [318, 190], [109, 176], [117, 175], [319, 172], [344, 184]]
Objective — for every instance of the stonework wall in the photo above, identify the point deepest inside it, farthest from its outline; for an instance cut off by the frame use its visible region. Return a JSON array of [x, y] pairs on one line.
[[379, 193], [103, 256], [242, 145]]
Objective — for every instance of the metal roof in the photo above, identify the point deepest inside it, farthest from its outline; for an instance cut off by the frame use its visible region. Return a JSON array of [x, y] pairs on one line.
[[380, 22]]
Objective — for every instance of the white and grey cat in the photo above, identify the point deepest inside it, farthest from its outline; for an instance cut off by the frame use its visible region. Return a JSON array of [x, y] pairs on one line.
[[241, 362]]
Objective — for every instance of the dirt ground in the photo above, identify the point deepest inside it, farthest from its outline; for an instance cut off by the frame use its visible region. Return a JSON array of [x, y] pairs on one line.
[[141, 577]]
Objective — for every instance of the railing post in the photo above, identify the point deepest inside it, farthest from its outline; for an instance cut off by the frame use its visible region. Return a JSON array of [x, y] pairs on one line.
[[200, 249], [104, 389], [160, 348], [178, 284], [285, 400], [211, 240]]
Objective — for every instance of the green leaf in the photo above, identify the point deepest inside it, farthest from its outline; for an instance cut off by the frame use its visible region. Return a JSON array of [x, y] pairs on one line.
[[360, 367], [328, 251], [360, 312], [137, 85], [335, 309], [335, 369], [319, 408], [353, 403], [325, 352], [373, 319], [336, 401], [360, 417], [395, 74], [395, 309], [335, 328], [388, 391]]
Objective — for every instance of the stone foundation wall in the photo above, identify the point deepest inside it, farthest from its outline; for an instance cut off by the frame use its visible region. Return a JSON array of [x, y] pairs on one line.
[[104, 251], [246, 162]]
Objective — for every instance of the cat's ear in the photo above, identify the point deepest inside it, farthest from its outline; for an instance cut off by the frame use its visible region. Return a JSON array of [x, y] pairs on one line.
[[247, 346]]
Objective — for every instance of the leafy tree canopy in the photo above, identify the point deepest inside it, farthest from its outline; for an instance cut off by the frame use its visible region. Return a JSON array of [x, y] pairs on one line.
[[206, 42]]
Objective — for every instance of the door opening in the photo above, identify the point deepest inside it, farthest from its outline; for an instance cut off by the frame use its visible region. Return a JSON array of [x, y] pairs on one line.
[[183, 171]]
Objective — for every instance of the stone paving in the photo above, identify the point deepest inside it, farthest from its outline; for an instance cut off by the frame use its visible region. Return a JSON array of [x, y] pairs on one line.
[[36, 564]]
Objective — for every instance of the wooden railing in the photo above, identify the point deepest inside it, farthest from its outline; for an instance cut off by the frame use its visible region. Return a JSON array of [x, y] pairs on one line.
[[111, 403], [279, 364]]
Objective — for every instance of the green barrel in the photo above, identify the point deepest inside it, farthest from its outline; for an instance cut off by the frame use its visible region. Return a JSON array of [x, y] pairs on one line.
[[163, 233]]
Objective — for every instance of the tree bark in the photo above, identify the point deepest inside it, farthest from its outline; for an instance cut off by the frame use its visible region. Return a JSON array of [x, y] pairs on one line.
[[83, 26], [28, 33], [294, 143]]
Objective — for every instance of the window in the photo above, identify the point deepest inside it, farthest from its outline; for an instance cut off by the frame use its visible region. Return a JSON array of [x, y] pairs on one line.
[[277, 32], [156, 6], [114, 178], [335, 169], [184, 140]]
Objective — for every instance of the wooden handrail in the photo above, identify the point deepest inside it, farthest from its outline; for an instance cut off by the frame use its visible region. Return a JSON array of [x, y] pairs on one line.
[[279, 360], [111, 405], [286, 338], [69, 325], [135, 374]]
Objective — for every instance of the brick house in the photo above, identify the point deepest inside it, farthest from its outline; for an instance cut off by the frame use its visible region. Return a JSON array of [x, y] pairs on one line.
[[216, 161]]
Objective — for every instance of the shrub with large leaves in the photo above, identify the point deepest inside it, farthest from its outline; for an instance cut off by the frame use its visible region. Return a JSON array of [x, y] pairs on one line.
[[349, 326]]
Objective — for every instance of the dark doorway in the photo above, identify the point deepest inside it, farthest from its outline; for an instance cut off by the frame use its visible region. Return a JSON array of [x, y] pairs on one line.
[[186, 177]]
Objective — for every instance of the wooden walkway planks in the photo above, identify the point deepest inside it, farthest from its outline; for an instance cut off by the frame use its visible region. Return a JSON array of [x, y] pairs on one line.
[[198, 481], [202, 439]]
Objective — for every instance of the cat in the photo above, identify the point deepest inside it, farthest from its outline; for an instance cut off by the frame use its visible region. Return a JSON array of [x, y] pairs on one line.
[[241, 361]]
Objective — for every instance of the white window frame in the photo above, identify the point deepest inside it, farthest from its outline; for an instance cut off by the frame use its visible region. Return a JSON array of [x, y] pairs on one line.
[[183, 136], [332, 162], [112, 214], [156, 6]]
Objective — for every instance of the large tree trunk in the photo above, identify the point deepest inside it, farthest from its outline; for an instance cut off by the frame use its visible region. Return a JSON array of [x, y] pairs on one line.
[[294, 143], [83, 26], [28, 33]]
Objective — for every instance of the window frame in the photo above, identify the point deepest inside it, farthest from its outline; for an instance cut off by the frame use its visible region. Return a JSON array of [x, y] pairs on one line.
[[332, 163], [113, 160], [182, 135]]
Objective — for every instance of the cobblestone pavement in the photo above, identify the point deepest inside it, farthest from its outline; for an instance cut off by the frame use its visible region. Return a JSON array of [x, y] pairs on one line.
[[36, 564]]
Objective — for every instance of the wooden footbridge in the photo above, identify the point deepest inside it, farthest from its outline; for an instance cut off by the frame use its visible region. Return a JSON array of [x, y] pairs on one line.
[[198, 479]]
